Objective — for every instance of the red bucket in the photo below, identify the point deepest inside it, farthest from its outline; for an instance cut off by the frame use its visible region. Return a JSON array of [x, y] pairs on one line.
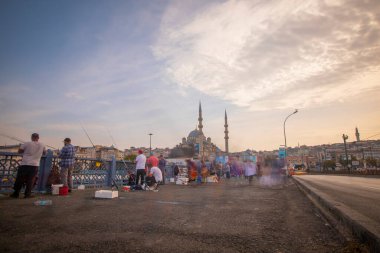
[[63, 191]]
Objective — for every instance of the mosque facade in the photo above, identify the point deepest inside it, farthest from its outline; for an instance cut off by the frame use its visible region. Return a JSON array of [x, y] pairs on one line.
[[197, 144]]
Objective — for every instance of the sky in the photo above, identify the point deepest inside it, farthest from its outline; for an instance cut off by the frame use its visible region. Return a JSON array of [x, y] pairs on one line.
[[124, 69]]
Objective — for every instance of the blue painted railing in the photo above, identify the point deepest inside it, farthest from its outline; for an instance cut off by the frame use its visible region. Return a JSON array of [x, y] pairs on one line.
[[87, 171]]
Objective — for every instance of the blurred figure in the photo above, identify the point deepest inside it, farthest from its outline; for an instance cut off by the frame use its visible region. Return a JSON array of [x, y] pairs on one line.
[[204, 172], [227, 170], [249, 170], [192, 170], [162, 165]]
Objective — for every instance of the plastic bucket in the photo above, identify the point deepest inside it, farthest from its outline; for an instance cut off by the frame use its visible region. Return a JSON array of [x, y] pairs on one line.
[[63, 191]]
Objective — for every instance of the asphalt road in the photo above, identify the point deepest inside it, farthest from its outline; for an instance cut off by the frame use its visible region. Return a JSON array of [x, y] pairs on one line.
[[217, 217], [361, 194]]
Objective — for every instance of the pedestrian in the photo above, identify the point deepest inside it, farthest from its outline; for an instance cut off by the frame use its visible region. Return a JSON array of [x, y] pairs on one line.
[[227, 170], [140, 167], [67, 156], [27, 171], [204, 172], [219, 170], [175, 171], [249, 170], [162, 166]]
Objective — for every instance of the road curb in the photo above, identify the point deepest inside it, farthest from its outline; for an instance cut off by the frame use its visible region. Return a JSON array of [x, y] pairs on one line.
[[359, 225]]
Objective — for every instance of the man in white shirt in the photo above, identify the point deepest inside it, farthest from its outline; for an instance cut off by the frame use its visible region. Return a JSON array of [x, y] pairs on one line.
[[140, 167], [27, 171], [157, 174]]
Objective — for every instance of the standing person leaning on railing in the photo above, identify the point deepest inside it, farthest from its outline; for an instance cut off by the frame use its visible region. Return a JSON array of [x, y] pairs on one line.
[[27, 171], [67, 156]]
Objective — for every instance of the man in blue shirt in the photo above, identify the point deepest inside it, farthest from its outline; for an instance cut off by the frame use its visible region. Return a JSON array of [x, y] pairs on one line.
[[67, 156]]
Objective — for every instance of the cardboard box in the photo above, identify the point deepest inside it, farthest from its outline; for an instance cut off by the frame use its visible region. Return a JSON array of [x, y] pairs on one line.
[[55, 188], [106, 194]]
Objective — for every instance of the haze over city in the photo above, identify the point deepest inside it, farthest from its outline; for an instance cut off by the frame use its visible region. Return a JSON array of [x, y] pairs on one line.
[[124, 69]]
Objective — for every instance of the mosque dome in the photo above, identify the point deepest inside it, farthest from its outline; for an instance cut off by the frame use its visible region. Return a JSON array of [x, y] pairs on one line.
[[195, 133]]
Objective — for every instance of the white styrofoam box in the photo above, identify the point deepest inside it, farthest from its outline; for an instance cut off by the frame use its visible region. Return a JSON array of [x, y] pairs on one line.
[[81, 187], [212, 179], [182, 182], [55, 189], [172, 180], [106, 194], [183, 179]]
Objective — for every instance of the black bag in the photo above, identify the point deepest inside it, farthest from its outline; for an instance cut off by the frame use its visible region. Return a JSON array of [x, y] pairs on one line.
[[150, 181], [136, 187]]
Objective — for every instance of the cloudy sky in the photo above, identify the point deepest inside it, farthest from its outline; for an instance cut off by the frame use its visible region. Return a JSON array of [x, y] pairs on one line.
[[123, 69]]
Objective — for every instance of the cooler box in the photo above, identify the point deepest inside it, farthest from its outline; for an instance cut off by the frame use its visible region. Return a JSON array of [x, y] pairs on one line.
[[63, 191], [106, 194], [55, 188]]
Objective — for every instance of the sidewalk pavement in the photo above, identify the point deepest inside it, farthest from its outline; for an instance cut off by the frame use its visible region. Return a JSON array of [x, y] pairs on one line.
[[346, 220], [230, 216]]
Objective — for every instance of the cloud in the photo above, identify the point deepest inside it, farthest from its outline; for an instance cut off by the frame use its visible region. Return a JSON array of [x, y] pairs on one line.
[[265, 54], [74, 95]]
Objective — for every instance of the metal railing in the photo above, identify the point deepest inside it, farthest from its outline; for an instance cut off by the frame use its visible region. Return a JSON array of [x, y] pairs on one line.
[[87, 171]]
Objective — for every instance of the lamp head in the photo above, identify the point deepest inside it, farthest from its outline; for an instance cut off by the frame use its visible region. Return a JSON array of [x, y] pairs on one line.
[[295, 111]]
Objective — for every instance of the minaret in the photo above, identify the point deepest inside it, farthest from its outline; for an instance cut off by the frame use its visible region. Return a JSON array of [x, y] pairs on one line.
[[357, 134], [226, 130], [200, 126]]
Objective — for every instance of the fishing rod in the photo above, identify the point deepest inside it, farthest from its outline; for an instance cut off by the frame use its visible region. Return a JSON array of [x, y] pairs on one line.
[[114, 143], [117, 187], [21, 141]]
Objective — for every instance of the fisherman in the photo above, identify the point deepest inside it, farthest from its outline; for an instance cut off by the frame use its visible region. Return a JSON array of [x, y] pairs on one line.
[[140, 167], [27, 171], [67, 156]]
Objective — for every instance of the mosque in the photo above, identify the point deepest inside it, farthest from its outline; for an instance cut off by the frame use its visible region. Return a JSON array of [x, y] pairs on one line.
[[197, 145]]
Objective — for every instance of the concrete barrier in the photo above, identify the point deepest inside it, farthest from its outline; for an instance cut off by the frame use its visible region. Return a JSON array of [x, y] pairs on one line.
[[363, 228]]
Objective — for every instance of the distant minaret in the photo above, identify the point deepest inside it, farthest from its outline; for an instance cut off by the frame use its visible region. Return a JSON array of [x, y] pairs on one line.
[[357, 134], [226, 130], [200, 126]]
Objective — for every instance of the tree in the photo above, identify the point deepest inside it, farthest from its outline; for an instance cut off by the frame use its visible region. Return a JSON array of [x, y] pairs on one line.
[[130, 157]]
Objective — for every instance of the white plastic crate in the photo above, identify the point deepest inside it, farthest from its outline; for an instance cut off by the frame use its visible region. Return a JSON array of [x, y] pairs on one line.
[[106, 194]]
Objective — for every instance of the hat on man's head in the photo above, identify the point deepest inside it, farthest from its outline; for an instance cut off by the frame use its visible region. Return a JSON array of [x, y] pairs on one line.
[[67, 140], [140, 151], [35, 135]]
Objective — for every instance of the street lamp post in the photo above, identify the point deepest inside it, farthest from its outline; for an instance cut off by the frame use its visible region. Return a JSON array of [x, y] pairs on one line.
[[150, 144], [295, 111], [345, 137]]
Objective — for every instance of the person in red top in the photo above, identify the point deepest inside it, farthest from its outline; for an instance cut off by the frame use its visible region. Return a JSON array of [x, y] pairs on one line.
[[153, 160]]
